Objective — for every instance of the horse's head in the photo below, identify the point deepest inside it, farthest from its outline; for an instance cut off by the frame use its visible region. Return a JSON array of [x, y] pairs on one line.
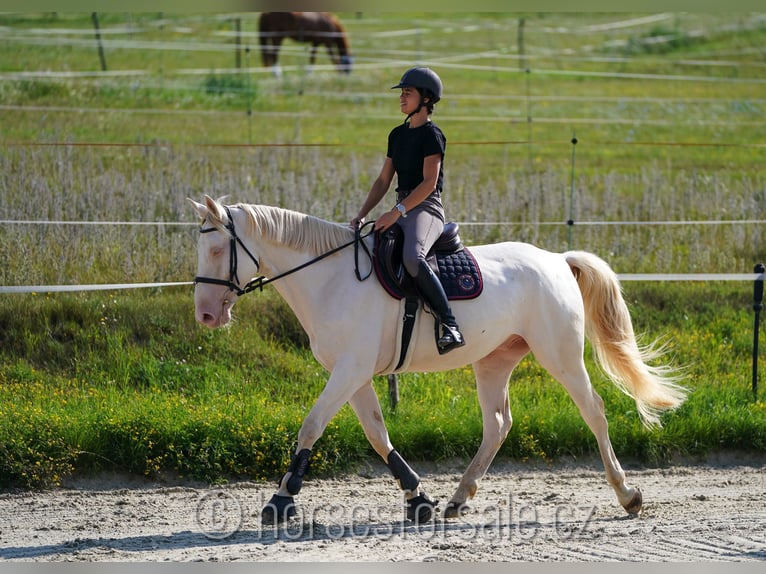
[[346, 62], [217, 284], [342, 54]]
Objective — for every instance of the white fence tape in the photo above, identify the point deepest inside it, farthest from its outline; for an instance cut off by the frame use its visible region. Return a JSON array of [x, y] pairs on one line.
[[62, 222], [74, 288], [691, 276], [463, 223], [607, 223], [621, 277]]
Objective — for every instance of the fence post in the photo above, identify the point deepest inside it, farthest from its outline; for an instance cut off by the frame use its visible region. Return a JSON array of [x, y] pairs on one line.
[[238, 43], [393, 391], [102, 57], [520, 44], [249, 94], [570, 221], [757, 306]]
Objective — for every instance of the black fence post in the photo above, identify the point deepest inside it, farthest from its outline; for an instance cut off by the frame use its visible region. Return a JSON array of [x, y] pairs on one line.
[[570, 221], [101, 56], [393, 391], [757, 306], [238, 43]]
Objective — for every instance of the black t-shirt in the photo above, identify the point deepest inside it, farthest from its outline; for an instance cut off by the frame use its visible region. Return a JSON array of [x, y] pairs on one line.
[[407, 149]]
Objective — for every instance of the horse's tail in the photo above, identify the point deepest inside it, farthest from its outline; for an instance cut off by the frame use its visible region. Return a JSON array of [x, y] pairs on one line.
[[610, 330]]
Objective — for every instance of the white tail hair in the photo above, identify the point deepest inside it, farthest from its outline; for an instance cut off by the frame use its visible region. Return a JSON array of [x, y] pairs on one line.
[[609, 328]]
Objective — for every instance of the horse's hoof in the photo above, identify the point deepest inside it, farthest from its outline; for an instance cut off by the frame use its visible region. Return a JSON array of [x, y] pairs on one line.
[[420, 508], [636, 503], [456, 510], [279, 509]]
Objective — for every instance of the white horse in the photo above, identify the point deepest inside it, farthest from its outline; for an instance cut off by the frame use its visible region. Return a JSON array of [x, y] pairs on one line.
[[533, 301]]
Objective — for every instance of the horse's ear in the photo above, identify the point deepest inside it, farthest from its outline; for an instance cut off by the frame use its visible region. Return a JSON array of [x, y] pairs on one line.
[[199, 208], [214, 208]]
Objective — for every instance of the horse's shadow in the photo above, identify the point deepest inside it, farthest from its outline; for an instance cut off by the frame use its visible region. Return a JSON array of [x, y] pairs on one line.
[[295, 531]]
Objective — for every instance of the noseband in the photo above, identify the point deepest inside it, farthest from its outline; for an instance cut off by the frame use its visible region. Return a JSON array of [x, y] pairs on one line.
[[233, 282]]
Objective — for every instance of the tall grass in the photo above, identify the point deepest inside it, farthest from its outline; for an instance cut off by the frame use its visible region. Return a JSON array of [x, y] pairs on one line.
[[151, 185]]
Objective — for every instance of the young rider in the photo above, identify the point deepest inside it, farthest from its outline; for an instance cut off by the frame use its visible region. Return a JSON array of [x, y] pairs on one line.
[[415, 154]]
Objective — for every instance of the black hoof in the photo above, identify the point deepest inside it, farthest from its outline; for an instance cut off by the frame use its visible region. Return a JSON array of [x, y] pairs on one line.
[[421, 508], [455, 510], [279, 509]]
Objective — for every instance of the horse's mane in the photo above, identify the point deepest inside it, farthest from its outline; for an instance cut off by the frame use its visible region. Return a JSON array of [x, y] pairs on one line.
[[341, 37], [296, 230]]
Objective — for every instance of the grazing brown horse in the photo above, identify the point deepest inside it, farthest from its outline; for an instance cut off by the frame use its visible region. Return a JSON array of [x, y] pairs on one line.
[[318, 28]]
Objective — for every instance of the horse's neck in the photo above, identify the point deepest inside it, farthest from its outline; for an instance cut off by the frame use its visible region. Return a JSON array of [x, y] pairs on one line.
[[277, 259], [305, 290]]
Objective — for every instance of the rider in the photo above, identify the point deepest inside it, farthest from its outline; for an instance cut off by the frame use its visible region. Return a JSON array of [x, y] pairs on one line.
[[415, 154]]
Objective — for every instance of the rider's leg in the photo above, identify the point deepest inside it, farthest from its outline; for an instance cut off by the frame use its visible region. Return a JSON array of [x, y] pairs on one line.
[[421, 230]]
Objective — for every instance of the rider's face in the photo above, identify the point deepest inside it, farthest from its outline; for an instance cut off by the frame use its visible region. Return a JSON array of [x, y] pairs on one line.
[[409, 100]]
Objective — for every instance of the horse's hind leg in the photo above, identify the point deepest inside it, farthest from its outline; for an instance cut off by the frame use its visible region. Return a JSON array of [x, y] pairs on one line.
[[564, 362], [367, 408], [492, 374]]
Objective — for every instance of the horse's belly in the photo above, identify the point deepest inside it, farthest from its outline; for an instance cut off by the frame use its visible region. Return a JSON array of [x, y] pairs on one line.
[[521, 282]]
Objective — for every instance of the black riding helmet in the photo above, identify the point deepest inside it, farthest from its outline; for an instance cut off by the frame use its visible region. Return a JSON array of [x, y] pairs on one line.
[[426, 81]]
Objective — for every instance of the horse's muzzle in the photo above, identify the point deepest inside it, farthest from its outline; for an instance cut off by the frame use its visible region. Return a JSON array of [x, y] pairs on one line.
[[213, 311]]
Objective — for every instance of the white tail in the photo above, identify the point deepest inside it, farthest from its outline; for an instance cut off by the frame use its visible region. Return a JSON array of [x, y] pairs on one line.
[[610, 330]]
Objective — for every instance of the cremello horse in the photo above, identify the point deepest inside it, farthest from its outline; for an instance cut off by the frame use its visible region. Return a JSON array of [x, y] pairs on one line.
[[533, 301]]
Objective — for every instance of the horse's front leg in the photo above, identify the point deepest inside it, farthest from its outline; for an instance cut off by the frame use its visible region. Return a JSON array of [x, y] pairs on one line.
[[339, 389], [270, 54], [313, 56], [367, 408]]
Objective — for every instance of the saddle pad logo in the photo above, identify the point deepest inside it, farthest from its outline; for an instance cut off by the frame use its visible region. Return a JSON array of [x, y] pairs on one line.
[[465, 283]]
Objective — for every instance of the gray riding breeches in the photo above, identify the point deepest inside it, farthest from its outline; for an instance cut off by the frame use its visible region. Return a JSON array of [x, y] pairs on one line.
[[421, 230]]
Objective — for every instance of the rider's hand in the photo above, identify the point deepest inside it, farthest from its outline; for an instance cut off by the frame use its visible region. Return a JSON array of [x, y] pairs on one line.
[[387, 220], [356, 222]]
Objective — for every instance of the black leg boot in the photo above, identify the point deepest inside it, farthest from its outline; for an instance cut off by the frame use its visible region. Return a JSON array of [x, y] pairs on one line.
[[448, 334]]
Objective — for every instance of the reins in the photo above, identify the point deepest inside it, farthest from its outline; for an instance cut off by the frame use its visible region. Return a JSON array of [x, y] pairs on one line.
[[260, 281], [357, 242]]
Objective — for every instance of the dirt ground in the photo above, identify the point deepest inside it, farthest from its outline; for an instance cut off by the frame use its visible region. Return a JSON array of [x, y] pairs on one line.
[[522, 512]]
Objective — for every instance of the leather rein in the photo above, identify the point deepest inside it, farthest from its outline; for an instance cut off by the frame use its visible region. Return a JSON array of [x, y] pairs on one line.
[[258, 282]]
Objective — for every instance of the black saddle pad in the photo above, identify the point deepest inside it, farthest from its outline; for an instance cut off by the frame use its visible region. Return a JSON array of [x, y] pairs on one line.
[[457, 269]]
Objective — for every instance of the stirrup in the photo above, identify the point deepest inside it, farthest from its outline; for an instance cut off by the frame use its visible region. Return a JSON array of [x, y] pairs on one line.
[[451, 338]]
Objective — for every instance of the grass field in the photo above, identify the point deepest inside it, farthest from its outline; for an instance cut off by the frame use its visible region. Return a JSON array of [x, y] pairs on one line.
[[668, 114]]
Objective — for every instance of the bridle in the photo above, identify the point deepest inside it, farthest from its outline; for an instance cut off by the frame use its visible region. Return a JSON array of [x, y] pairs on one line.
[[258, 282], [233, 282]]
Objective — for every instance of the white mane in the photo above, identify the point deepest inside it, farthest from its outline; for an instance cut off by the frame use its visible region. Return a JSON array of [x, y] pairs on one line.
[[297, 230]]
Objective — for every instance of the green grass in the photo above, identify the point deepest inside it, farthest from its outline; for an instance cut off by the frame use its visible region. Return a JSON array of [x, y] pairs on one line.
[[127, 381], [667, 131]]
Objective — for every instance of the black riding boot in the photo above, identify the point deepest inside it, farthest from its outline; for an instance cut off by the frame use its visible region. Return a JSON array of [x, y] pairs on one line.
[[448, 334]]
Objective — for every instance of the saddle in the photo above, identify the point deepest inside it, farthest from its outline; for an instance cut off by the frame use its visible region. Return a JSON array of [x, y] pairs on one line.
[[452, 262]]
